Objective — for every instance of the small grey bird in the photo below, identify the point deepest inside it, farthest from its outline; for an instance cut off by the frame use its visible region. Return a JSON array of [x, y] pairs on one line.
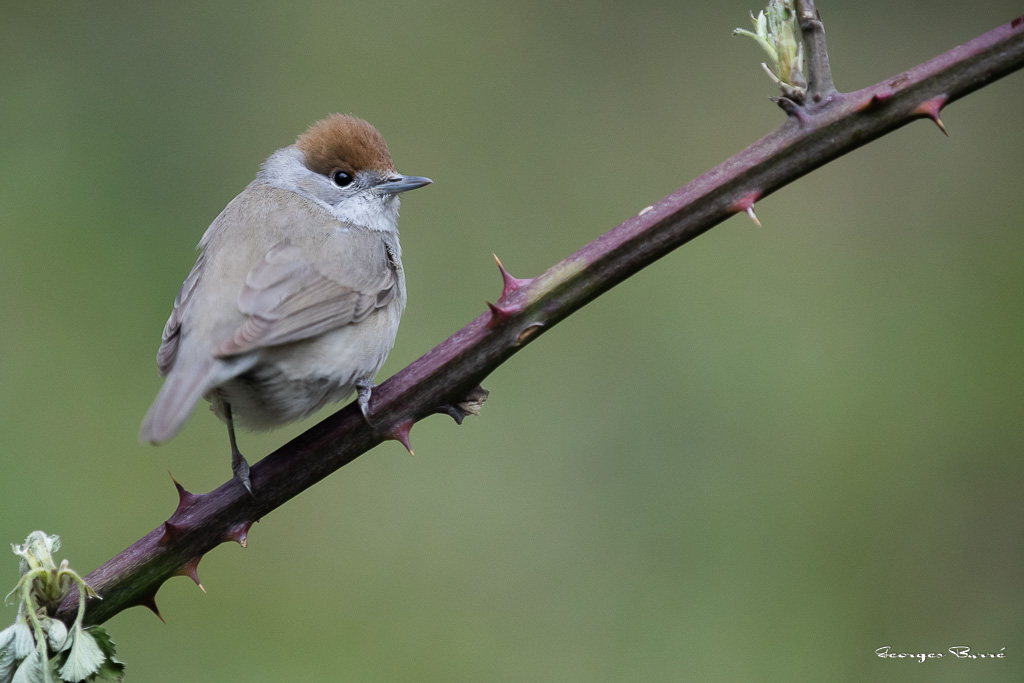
[[295, 299]]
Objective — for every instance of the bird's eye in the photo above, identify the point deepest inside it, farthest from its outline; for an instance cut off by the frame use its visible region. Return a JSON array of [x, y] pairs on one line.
[[341, 178]]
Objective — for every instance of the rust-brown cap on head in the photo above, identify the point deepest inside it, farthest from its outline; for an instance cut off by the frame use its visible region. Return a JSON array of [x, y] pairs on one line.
[[342, 142]]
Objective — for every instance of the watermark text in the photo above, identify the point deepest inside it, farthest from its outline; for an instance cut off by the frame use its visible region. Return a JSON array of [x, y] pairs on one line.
[[955, 652]]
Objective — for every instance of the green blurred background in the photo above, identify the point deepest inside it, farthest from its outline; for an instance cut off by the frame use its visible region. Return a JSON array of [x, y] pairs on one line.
[[759, 460]]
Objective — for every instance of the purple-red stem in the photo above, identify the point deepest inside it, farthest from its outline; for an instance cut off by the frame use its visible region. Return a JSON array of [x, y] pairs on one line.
[[828, 125]]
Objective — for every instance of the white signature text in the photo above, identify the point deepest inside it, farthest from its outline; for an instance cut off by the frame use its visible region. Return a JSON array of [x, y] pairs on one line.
[[956, 652]]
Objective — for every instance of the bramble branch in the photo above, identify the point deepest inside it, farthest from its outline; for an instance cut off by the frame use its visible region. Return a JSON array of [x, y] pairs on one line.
[[825, 125]]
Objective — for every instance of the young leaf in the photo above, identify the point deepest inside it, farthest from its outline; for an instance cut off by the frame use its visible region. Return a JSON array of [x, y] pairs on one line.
[[111, 669], [56, 633], [85, 656], [7, 657], [24, 643], [31, 670]]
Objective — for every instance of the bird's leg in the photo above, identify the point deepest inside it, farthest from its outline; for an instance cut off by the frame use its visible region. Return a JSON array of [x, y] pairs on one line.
[[364, 388], [238, 463]]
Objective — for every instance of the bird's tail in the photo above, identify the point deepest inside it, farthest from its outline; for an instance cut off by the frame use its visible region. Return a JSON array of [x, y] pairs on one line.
[[179, 394]]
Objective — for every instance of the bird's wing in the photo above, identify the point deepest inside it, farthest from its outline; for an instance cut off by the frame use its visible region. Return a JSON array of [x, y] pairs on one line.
[[287, 298], [168, 351]]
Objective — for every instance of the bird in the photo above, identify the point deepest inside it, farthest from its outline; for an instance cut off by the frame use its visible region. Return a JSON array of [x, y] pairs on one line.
[[297, 292]]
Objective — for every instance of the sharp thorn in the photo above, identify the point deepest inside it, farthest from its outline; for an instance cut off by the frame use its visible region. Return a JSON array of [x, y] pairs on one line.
[[149, 602], [746, 205], [191, 570], [791, 108], [185, 498], [499, 314], [171, 530], [753, 216], [875, 100], [401, 434], [931, 108], [509, 283], [239, 533]]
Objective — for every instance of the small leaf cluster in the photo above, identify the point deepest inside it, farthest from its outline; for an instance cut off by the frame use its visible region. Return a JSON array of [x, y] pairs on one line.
[[40, 649], [777, 31]]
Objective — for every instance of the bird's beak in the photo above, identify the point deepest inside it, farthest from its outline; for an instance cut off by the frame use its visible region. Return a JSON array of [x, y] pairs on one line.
[[396, 183]]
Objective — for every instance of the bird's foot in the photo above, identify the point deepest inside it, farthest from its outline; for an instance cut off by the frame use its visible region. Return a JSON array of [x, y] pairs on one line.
[[240, 468], [364, 388]]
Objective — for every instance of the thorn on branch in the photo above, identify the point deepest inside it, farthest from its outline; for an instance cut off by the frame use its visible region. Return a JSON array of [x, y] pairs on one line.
[[876, 100], [753, 216], [499, 314], [791, 108], [931, 108], [171, 531], [185, 498], [401, 434], [239, 533], [745, 204], [509, 283], [149, 602], [191, 570]]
